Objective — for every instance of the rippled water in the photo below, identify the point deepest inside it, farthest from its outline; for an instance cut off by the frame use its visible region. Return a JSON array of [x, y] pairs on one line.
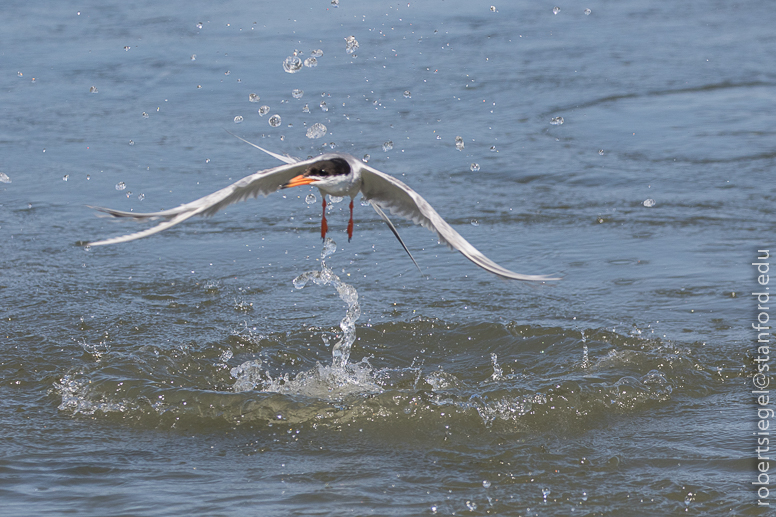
[[189, 373]]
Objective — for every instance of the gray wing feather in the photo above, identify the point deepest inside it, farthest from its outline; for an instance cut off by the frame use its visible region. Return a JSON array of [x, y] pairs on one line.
[[263, 182], [401, 200]]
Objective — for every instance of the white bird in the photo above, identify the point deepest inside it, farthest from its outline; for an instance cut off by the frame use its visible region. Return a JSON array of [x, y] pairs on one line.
[[336, 174]]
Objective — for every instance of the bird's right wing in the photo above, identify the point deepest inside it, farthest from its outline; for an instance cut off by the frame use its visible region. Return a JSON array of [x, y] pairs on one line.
[[263, 182], [390, 193]]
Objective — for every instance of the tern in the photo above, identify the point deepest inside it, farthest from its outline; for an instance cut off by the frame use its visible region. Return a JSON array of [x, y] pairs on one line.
[[336, 174]]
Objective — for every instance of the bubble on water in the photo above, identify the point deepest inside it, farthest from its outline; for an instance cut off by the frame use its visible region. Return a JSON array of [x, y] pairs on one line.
[[601, 152], [387, 146], [475, 222], [297, 93], [407, 94], [238, 119], [317, 130], [131, 142], [310, 62], [546, 492], [324, 107], [486, 483], [316, 53], [193, 57], [253, 97], [263, 110], [556, 121], [649, 203], [587, 12], [493, 8], [351, 44], [120, 185], [459, 143], [145, 115], [365, 159], [310, 199], [65, 177], [274, 120], [555, 10], [292, 64], [93, 89], [140, 197], [335, 3], [199, 25], [475, 167], [305, 109]]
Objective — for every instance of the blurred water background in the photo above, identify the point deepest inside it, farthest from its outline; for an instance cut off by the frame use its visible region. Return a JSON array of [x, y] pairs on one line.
[[626, 146]]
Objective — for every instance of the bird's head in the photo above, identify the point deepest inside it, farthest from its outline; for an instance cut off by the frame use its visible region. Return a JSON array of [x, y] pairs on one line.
[[323, 173]]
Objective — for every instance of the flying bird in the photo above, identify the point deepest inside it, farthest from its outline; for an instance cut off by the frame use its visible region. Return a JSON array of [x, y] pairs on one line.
[[336, 174]]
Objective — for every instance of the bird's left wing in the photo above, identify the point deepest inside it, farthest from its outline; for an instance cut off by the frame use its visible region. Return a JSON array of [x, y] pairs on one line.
[[263, 182], [401, 200]]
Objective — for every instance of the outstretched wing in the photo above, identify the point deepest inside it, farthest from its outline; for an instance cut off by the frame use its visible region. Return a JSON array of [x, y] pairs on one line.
[[401, 200], [263, 182]]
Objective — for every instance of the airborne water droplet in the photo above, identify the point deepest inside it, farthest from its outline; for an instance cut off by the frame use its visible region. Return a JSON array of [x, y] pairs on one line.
[[407, 94], [310, 199], [556, 121], [274, 120], [263, 110], [365, 159], [587, 12], [145, 115], [324, 107], [306, 109], [649, 203], [555, 10], [459, 143], [253, 97], [310, 62], [387, 146], [475, 167], [351, 44], [93, 89], [297, 93], [65, 177], [317, 130], [238, 119], [292, 64], [316, 53], [601, 152], [120, 185]]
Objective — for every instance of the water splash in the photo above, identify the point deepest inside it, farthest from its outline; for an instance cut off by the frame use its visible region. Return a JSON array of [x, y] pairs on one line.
[[348, 294]]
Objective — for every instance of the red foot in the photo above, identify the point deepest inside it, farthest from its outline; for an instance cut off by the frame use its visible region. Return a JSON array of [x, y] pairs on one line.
[[350, 223], [324, 226]]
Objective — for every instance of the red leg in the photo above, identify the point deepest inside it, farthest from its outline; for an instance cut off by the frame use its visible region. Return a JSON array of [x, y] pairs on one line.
[[350, 223], [324, 226]]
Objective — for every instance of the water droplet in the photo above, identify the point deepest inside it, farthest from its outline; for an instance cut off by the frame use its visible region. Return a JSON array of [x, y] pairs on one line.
[[228, 72], [365, 159], [493, 8], [324, 107], [316, 53], [310, 199], [556, 121], [332, 145], [459, 143], [145, 115], [493, 148], [351, 44], [317, 130], [475, 222], [19, 74], [486, 483], [93, 89], [688, 499], [471, 505], [546, 492], [433, 509], [335, 3], [126, 49], [310, 62], [292, 64], [297, 93], [131, 142], [649, 203], [65, 177], [600, 220], [555, 10], [407, 94], [120, 185], [263, 110], [274, 120], [88, 177], [129, 194], [253, 97], [305, 109], [199, 86], [193, 57], [238, 119], [584, 496], [387, 146], [587, 12], [335, 199], [140, 197], [601, 152], [199, 25], [475, 167]]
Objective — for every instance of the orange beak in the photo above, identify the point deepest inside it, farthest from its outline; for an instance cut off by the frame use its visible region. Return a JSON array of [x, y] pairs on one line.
[[298, 181]]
